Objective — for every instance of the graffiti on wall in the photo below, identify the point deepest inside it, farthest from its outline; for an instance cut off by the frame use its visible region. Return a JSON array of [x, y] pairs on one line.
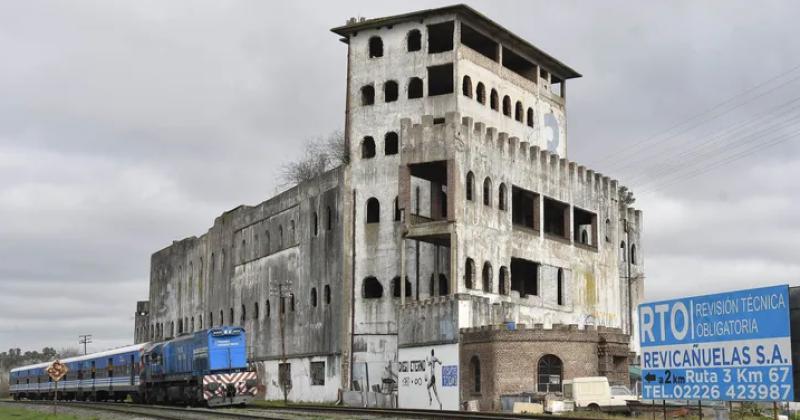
[[428, 377]]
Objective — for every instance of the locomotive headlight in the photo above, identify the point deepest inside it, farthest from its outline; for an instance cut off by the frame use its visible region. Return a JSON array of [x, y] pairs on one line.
[[212, 386], [251, 383]]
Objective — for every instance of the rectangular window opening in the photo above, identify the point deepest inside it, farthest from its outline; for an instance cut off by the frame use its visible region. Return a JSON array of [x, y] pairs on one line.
[[440, 80], [479, 42], [429, 198], [584, 226], [556, 85], [556, 218], [519, 65], [524, 208], [440, 37], [524, 277], [317, 373]]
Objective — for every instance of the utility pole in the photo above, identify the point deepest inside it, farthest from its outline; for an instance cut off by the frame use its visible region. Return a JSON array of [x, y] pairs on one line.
[[84, 339], [282, 293]]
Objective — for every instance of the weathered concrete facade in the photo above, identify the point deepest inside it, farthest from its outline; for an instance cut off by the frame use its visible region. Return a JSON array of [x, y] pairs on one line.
[[458, 210]]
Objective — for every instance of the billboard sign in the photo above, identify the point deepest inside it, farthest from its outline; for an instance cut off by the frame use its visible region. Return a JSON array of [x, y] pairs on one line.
[[730, 346], [428, 377]]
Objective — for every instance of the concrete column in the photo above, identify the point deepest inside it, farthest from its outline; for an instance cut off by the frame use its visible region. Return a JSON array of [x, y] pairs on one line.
[[453, 262], [402, 271]]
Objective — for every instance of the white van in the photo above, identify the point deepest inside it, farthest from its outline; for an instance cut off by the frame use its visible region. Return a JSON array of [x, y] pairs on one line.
[[595, 393]]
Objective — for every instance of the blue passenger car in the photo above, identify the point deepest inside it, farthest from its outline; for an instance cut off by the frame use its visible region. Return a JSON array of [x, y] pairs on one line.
[[208, 366]]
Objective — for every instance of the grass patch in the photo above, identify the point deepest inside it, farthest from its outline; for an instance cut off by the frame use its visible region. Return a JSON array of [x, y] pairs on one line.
[[15, 413]]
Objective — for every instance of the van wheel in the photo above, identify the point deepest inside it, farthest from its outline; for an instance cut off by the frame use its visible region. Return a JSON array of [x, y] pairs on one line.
[[594, 407]]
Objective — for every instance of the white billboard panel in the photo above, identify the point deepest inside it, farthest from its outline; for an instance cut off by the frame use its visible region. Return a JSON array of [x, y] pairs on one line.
[[428, 377]]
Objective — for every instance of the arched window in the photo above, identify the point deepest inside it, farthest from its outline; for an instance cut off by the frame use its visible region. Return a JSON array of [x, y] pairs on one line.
[[530, 117], [475, 370], [466, 87], [506, 106], [501, 197], [327, 294], [255, 310], [314, 297], [518, 111], [267, 309], [280, 237], [431, 290], [211, 319], [367, 95], [487, 192], [231, 318], [633, 254], [560, 287], [367, 148], [480, 93], [550, 372], [329, 217], [608, 230], [375, 47], [414, 41], [315, 224], [180, 326], [396, 210], [266, 241], [470, 185], [396, 287], [494, 100], [444, 285], [371, 288], [373, 210], [487, 277], [622, 251], [291, 302], [502, 283], [172, 329], [469, 273], [414, 88], [243, 315], [221, 317], [243, 250], [200, 321], [390, 91], [391, 144]]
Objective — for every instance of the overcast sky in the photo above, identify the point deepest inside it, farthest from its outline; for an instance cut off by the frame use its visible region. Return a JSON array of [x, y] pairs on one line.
[[127, 124]]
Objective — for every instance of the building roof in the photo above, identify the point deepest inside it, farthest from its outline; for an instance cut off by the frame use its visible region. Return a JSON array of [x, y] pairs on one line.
[[500, 33]]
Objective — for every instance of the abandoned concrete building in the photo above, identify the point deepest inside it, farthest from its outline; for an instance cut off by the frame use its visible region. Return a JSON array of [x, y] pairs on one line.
[[458, 251]]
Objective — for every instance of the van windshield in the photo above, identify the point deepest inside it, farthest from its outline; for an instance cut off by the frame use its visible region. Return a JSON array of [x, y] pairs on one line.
[[620, 390]]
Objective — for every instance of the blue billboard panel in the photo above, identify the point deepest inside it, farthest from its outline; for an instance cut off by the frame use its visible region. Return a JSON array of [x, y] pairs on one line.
[[730, 346]]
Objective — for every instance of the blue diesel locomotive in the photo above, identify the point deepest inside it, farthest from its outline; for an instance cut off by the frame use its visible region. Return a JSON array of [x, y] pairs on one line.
[[208, 367]]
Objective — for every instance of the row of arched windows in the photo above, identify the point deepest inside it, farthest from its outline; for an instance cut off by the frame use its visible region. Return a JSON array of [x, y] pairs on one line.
[[391, 91], [623, 253], [487, 278], [374, 210], [413, 43], [518, 112], [502, 193], [391, 145], [328, 221], [371, 287]]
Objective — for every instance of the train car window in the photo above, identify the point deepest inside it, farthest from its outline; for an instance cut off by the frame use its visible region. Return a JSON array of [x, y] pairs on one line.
[[110, 367]]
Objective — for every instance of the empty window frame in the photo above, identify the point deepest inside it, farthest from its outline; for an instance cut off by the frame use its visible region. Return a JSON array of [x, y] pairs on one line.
[[487, 192], [524, 277], [444, 285], [368, 148], [608, 230], [313, 297], [494, 100], [560, 287], [327, 294], [375, 47], [440, 37], [502, 195], [397, 213], [371, 288], [529, 119], [479, 42], [315, 224], [414, 88], [391, 143], [414, 41], [470, 186], [367, 95], [623, 251], [329, 218], [469, 273], [317, 372], [486, 276], [396, 287], [502, 282], [518, 111], [524, 208], [633, 254], [519, 65], [556, 218], [373, 210], [475, 367], [390, 91], [480, 93], [507, 106], [584, 226], [466, 87], [243, 315], [440, 80]]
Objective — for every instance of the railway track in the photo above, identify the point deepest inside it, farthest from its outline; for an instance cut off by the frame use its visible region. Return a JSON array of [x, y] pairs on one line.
[[180, 413]]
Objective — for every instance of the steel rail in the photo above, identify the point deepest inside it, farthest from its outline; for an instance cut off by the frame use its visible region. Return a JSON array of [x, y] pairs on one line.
[[155, 411]]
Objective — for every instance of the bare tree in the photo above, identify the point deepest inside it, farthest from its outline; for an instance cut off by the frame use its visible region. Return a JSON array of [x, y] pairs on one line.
[[319, 156]]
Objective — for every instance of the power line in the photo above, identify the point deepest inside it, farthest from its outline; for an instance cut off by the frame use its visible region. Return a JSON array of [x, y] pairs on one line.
[[84, 339]]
